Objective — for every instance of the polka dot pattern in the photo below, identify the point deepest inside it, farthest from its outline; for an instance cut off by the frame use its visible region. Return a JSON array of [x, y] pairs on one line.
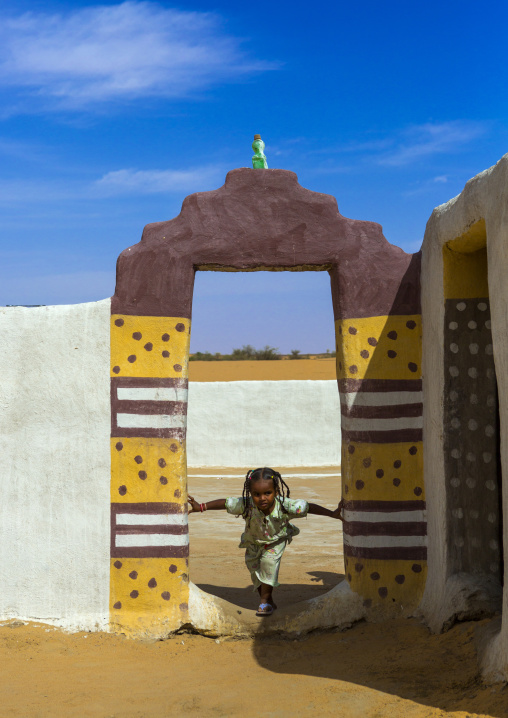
[[149, 346], [471, 435], [381, 582], [385, 347]]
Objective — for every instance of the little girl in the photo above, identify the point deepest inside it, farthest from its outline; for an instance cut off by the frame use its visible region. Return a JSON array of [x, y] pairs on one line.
[[266, 507]]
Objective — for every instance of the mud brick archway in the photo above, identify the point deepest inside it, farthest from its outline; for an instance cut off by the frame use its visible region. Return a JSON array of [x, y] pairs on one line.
[[264, 220]]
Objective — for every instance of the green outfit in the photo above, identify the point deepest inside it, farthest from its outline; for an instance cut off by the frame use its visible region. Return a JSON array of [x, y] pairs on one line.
[[266, 537]]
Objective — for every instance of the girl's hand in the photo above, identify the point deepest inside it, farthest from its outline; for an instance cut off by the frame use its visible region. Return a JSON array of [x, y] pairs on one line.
[[337, 514], [193, 505]]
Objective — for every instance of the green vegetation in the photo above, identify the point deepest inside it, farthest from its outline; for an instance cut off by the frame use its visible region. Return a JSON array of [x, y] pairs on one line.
[[248, 353]]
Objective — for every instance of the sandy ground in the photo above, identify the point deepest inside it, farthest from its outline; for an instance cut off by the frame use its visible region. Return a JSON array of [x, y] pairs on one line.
[[395, 670], [276, 370]]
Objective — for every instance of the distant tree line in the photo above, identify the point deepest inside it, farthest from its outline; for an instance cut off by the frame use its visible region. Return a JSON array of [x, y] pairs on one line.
[[248, 353]]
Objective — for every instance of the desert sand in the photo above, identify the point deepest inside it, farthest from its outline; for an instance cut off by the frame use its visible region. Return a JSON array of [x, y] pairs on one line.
[[275, 370]]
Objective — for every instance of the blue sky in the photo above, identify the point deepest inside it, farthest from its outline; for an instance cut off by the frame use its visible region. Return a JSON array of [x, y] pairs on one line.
[[110, 114]]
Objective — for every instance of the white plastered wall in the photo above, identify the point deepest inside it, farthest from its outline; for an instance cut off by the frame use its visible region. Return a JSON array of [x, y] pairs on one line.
[[484, 197], [55, 478], [263, 423]]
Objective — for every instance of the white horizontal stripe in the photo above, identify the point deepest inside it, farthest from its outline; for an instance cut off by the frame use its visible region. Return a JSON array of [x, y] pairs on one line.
[[376, 516], [384, 541], [151, 519], [152, 393], [380, 398], [404, 422], [151, 421], [145, 540]]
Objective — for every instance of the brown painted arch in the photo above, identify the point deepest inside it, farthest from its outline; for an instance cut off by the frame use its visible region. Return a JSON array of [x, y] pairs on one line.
[[265, 220]]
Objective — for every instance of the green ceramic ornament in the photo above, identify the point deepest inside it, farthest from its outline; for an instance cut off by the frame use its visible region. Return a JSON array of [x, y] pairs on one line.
[[259, 157]]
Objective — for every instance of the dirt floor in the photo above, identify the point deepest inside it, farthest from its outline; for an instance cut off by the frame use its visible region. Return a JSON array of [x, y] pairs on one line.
[[395, 670], [276, 370]]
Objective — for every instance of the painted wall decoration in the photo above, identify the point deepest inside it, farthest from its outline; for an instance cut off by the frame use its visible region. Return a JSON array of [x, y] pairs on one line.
[[259, 220]]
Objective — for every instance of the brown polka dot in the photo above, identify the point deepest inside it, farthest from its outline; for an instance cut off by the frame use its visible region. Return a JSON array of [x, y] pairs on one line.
[[152, 583], [351, 449], [142, 475], [177, 493], [352, 330], [165, 354], [392, 335], [391, 354], [148, 346], [372, 341], [418, 491], [173, 568], [410, 324], [133, 575], [368, 602], [177, 367], [117, 605], [367, 462], [131, 358], [413, 450], [184, 607], [161, 463], [118, 446], [396, 482], [180, 327], [137, 336], [358, 567], [134, 594], [400, 578], [359, 484], [380, 473], [165, 337], [412, 366], [364, 354], [353, 369], [416, 568], [119, 322], [163, 480], [346, 489], [340, 366], [349, 577], [117, 564], [138, 459], [375, 576], [173, 448], [166, 595], [122, 490], [383, 592], [397, 464], [116, 369]]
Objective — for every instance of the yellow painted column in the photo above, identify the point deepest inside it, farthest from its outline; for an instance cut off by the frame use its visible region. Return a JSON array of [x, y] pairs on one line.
[[380, 384], [149, 528]]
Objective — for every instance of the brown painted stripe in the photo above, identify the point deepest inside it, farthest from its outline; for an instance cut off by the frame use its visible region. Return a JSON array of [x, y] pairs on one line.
[[408, 553], [387, 506], [352, 385], [152, 529], [150, 552], [140, 382], [148, 406], [383, 437], [382, 412], [116, 432], [385, 528], [149, 507]]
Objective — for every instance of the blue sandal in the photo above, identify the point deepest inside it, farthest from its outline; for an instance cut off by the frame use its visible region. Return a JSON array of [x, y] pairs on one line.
[[265, 609]]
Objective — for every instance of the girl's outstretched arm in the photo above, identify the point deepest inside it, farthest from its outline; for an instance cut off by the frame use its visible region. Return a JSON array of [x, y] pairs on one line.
[[215, 505], [321, 511]]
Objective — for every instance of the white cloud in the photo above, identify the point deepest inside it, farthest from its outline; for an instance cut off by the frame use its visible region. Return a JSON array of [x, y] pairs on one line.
[[428, 139], [95, 55], [131, 181]]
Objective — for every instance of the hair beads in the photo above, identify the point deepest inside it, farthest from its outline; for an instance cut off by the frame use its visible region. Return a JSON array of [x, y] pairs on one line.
[[281, 488]]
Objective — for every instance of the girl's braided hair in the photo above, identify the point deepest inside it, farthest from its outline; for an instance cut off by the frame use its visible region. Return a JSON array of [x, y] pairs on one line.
[[280, 487]]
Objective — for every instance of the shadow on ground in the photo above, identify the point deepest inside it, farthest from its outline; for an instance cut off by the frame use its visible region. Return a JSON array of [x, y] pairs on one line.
[[285, 594], [398, 657]]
